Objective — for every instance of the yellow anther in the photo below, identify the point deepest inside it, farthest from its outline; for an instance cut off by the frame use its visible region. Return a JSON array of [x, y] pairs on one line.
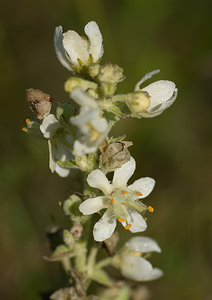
[[150, 208], [120, 220], [27, 120], [128, 226], [24, 129], [112, 200], [124, 192], [139, 194]]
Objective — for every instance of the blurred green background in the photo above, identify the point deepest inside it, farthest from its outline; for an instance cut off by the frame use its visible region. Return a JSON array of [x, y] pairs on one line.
[[174, 148]]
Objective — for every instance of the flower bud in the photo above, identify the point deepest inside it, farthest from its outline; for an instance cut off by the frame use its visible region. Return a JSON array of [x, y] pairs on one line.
[[64, 112], [111, 73], [68, 239], [138, 102], [85, 85], [71, 206]]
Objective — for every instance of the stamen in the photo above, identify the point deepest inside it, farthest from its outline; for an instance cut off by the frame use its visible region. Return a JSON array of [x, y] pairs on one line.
[[124, 192], [27, 120], [139, 194], [112, 200], [24, 129], [151, 209], [120, 220], [128, 226]]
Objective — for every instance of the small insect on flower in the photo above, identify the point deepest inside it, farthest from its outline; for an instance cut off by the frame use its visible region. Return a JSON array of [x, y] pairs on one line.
[[40, 102]]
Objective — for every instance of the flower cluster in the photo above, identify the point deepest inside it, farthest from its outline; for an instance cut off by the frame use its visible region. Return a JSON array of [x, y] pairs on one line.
[[79, 138]]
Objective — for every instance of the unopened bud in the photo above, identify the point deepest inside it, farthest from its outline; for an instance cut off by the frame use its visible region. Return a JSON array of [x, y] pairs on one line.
[[94, 70], [138, 102], [86, 85], [64, 112], [71, 206], [111, 73], [68, 239]]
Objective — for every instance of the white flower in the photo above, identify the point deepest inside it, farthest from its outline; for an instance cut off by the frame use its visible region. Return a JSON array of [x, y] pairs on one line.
[[121, 202], [161, 94], [74, 51], [57, 150], [93, 127], [132, 265]]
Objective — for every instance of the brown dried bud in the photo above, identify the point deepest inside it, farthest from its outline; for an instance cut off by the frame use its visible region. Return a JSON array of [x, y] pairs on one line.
[[77, 231], [40, 102], [114, 156]]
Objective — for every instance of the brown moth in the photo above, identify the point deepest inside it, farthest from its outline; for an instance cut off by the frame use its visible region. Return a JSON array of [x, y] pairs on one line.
[[40, 102]]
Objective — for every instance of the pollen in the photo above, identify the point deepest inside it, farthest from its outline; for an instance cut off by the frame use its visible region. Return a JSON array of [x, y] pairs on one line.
[[150, 208], [120, 220], [128, 226], [124, 192], [139, 194], [24, 129], [27, 120], [112, 200]]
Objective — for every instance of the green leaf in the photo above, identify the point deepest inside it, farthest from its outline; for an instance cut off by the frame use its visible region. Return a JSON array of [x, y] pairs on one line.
[[68, 164], [60, 253], [101, 277]]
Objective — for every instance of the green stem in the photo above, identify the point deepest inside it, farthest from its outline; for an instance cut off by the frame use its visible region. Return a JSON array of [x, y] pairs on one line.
[[91, 260], [66, 263], [103, 263], [80, 259]]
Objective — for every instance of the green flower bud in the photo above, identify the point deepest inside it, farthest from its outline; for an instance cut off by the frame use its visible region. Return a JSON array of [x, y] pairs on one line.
[[86, 85], [64, 112], [71, 206], [138, 102], [111, 73], [68, 239]]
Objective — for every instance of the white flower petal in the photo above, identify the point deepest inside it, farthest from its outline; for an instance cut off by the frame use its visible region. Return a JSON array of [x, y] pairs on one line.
[[49, 126], [97, 179], [105, 227], [62, 172], [92, 205], [75, 47], [139, 269], [154, 274], [95, 38], [82, 98], [143, 185], [144, 78], [137, 221], [52, 163], [60, 51], [142, 244], [162, 95], [81, 148], [100, 124], [122, 174]]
